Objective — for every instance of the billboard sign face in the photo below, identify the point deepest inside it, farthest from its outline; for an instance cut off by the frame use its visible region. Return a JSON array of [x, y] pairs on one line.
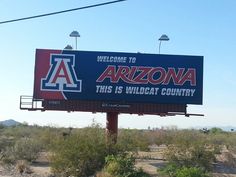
[[121, 77]]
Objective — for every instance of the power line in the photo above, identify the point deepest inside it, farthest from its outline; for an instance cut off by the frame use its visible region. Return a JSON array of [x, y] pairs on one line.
[[60, 12]]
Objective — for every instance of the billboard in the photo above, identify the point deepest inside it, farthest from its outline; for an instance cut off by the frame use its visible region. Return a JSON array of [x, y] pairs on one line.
[[118, 77]]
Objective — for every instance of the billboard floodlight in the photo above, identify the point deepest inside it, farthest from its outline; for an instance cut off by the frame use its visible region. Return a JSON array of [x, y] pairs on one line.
[[163, 37], [68, 47], [75, 34]]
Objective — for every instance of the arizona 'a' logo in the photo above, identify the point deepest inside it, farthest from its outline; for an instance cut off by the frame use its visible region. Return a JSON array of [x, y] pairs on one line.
[[61, 75]]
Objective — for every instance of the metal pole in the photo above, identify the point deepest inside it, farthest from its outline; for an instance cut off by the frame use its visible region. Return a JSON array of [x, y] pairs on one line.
[[76, 43], [160, 47], [112, 127]]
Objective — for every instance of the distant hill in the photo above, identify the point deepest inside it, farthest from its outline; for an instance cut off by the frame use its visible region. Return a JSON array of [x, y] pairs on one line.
[[9, 122]]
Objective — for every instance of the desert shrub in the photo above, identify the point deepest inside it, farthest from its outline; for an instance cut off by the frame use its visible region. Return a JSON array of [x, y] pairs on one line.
[[172, 170], [47, 135], [27, 149], [172, 136], [6, 142], [191, 172], [80, 154], [23, 149], [195, 156], [188, 137], [103, 174], [217, 138], [122, 165], [133, 140], [2, 127], [7, 156], [162, 137], [22, 166], [169, 170], [220, 139], [216, 130], [230, 142], [18, 131], [190, 150], [166, 137]]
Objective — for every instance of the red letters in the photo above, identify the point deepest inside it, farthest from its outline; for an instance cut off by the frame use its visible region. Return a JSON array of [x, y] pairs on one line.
[[149, 75]]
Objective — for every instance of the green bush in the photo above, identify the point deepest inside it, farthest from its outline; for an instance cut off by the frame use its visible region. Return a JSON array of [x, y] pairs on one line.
[[230, 142], [27, 149], [172, 170], [47, 135], [6, 142], [216, 130], [132, 140], [190, 172], [190, 150], [196, 156], [23, 149], [122, 165], [80, 154], [7, 155]]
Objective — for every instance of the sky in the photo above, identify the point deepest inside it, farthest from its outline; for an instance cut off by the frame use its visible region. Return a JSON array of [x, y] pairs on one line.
[[205, 28]]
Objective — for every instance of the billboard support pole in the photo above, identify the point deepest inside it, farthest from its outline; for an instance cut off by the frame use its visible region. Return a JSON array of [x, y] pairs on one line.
[[112, 127]]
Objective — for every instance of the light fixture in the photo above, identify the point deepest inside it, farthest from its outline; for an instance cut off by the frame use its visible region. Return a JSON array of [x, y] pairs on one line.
[[75, 34], [163, 37], [68, 47]]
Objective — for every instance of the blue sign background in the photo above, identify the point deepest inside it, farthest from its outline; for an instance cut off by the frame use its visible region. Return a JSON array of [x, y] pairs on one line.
[[88, 69]]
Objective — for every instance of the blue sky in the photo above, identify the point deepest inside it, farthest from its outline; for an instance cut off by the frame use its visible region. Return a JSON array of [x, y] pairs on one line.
[[200, 27]]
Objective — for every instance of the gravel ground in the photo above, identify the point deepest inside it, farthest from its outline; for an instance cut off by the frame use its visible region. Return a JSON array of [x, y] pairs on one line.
[[11, 171]]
